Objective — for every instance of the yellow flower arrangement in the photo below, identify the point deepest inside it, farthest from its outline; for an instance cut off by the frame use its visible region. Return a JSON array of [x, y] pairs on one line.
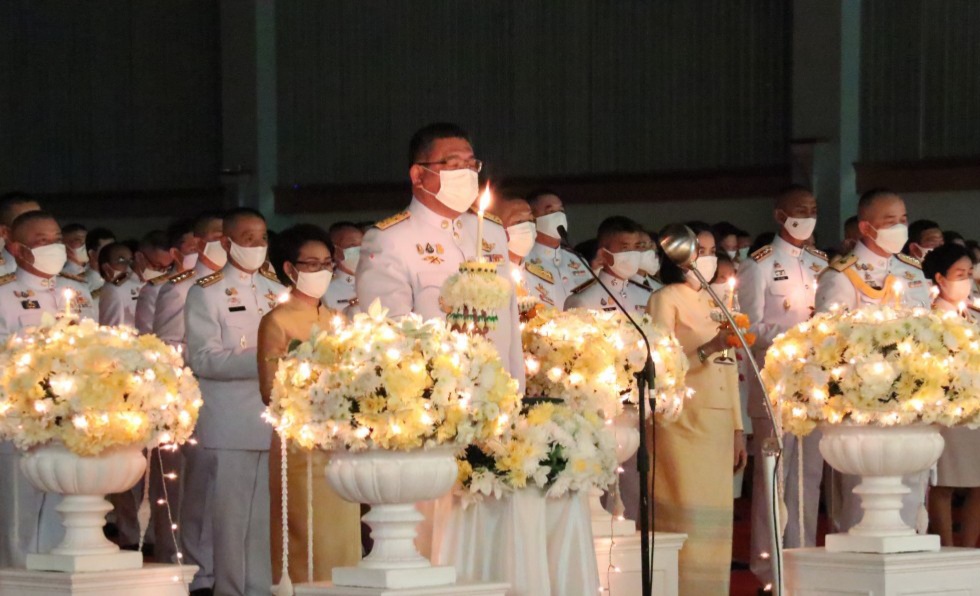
[[93, 387], [375, 383], [877, 366], [590, 358]]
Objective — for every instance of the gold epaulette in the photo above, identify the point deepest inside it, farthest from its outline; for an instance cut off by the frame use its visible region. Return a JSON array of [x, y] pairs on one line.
[[843, 262], [817, 253], [161, 279], [761, 254], [384, 224], [79, 278], [182, 276], [911, 261], [581, 287], [120, 281], [491, 217], [268, 274], [540, 272], [643, 285], [209, 280], [97, 292], [6, 279]]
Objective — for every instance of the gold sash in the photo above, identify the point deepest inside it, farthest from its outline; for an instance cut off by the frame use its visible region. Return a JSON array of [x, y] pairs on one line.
[[883, 296]]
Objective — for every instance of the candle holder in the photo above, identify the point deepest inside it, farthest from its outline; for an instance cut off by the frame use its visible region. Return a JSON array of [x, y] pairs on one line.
[[474, 296]]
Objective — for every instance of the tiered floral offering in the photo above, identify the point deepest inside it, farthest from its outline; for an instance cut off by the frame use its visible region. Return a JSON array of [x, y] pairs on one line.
[[94, 387], [474, 296]]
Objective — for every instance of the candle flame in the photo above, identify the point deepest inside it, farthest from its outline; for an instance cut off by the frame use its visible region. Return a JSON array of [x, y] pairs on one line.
[[485, 199]]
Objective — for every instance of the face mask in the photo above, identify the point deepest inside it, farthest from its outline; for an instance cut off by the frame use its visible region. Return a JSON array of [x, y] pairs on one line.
[[957, 291], [80, 254], [50, 259], [800, 228], [549, 224], [626, 264], [189, 261], [731, 254], [893, 239], [721, 290], [216, 253], [743, 253], [457, 188], [352, 256], [248, 258], [650, 262], [923, 251], [313, 284], [149, 274], [707, 266], [520, 238]]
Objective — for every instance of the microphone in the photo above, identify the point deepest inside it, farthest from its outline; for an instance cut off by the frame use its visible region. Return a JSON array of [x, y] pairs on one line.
[[563, 233]]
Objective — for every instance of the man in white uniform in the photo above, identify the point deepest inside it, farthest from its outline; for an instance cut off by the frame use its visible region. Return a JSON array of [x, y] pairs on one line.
[[12, 205], [620, 253], [341, 294], [565, 270], [95, 241], [117, 301], [179, 236], [74, 235], [649, 263], [28, 521], [222, 320], [873, 273], [776, 289]]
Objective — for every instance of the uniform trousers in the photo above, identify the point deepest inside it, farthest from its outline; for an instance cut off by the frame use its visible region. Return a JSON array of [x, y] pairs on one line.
[[197, 502], [761, 541], [29, 522]]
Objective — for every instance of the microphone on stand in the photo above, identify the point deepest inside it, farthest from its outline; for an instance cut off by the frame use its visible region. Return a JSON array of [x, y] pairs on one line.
[[680, 244], [644, 380]]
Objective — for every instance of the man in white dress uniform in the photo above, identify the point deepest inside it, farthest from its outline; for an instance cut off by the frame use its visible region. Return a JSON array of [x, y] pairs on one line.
[[548, 259], [621, 247], [873, 273], [12, 205], [776, 289], [341, 294]]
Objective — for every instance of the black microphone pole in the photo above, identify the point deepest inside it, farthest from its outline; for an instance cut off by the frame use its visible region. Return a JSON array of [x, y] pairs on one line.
[[643, 378]]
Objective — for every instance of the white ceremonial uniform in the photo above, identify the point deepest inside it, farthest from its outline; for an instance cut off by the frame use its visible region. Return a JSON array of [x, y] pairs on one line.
[[222, 317], [567, 271], [146, 303], [540, 282], [647, 282], [72, 268], [28, 520], [406, 258], [7, 262], [859, 279], [630, 294], [341, 293], [776, 290], [168, 318], [117, 301]]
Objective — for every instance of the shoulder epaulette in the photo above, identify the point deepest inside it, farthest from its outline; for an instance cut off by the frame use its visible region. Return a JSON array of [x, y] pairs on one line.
[[182, 276], [160, 280], [817, 253], [843, 262], [762, 253], [491, 217], [80, 279], [270, 275], [97, 292], [209, 280], [579, 288], [384, 224], [6, 279], [538, 271], [643, 285], [911, 261], [120, 281]]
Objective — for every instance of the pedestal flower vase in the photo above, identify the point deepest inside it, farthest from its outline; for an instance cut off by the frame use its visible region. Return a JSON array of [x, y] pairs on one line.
[[83, 482], [625, 429], [881, 457], [392, 482]]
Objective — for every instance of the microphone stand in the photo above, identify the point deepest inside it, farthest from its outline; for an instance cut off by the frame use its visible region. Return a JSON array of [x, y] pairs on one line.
[[644, 378]]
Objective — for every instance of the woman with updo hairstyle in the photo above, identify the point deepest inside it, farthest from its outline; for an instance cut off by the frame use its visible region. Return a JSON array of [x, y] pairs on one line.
[[949, 268]]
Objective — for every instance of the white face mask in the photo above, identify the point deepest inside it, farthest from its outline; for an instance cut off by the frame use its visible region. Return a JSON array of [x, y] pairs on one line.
[[625, 264], [721, 290], [457, 188], [893, 239], [313, 284], [352, 256], [149, 274], [248, 258], [743, 253], [800, 228], [549, 224], [216, 253], [80, 254], [650, 262], [520, 238], [957, 291], [731, 254], [706, 265], [189, 261], [50, 259], [923, 251]]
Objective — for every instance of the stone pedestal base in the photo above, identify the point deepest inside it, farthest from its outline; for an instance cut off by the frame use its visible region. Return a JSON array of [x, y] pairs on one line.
[[816, 572], [394, 578], [151, 580], [849, 543], [626, 557], [117, 561], [328, 589]]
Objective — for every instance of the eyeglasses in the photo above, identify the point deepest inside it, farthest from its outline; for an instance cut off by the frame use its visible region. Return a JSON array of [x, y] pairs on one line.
[[456, 163], [314, 266]]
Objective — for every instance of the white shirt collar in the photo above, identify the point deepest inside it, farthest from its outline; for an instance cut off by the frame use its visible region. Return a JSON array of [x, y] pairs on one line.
[[430, 217], [785, 247]]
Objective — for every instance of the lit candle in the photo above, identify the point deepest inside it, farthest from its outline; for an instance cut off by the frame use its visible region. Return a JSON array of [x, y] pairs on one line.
[[897, 287], [731, 292], [484, 203], [68, 294]]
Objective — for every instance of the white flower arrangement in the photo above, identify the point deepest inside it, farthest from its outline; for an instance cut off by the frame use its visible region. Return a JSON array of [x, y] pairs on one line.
[[590, 358], [375, 383], [551, 447], [93, 387], [475, 295], [878, 366]]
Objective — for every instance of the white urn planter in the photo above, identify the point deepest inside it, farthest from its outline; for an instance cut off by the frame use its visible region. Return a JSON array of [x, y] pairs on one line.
[[392, 482], [625, 429], [881, 457], [83, 482]]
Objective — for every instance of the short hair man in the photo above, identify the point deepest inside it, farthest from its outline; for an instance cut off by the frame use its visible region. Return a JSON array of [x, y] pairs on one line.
[[621, 245]]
